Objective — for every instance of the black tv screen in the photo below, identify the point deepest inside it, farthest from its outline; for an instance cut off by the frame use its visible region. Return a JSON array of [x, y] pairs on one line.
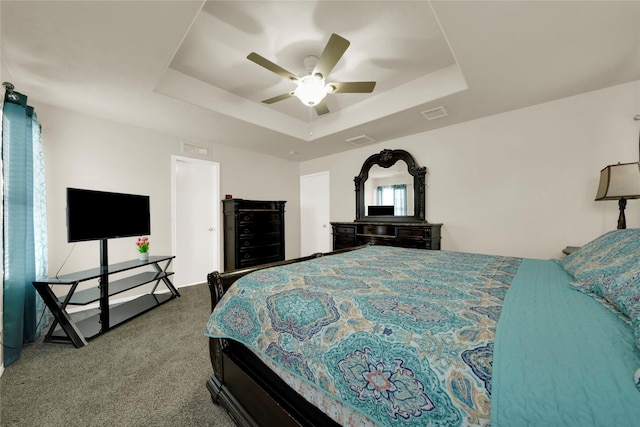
[[98, 215], [381, 210]]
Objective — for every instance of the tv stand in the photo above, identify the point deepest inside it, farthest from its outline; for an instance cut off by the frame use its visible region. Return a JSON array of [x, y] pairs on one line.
[[108, 317]]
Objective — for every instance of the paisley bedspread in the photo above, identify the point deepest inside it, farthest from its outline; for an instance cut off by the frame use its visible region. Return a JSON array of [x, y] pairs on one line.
[[403, 336]]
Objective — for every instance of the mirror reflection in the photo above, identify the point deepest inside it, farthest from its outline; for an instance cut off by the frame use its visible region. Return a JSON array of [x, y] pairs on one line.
[[390, 187], [388, 191]]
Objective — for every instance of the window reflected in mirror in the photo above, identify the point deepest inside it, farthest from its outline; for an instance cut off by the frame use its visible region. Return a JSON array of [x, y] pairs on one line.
[[393, 196], [387, 189]]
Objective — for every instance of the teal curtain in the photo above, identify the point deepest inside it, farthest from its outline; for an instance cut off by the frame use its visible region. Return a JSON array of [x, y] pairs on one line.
[[24, 225]]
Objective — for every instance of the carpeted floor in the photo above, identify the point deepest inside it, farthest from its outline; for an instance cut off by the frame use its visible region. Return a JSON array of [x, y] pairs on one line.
[[150, 371]]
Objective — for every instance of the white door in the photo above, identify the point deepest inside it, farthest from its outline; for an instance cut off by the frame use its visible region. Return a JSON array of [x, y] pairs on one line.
[[196, 215], [315, 230]]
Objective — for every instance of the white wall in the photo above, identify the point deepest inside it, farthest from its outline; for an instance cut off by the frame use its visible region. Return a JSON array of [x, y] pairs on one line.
[[520, 183], [88, 152]]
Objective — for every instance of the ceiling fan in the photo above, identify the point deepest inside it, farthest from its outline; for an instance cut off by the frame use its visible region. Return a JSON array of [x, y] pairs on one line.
[[312, 87]]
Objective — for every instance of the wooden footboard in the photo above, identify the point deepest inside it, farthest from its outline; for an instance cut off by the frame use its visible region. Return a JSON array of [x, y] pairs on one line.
[[252, 393]]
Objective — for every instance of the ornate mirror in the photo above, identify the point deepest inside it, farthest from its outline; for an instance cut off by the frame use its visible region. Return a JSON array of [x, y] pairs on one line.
[[390, 187]]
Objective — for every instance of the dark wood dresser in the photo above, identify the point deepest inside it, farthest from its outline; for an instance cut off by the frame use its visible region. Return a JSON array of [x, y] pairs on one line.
[[411, 234], [253, 232]]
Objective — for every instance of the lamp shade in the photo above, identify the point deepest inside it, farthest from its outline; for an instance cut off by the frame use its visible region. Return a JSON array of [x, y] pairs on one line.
[[621, 181]]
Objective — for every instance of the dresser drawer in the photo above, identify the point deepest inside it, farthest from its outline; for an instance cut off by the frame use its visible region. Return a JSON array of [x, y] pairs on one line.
[[345, 229], [257, 217], [342, 241], [257, 240], [250, 229], [377, 229], [247, 254], [250, 262], [375, 240], [413, 233], [414, 243]]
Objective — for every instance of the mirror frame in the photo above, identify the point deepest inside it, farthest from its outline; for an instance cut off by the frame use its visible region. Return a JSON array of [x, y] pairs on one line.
[[387, 158]]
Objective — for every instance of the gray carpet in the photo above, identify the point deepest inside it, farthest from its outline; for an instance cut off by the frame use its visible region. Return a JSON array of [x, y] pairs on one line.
[[150, 371]]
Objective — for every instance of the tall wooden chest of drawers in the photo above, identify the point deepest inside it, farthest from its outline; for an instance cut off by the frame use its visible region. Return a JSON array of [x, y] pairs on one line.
[[253, 232]]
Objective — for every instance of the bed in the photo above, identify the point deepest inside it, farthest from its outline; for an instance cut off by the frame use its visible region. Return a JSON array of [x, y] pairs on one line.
[[384, 336]]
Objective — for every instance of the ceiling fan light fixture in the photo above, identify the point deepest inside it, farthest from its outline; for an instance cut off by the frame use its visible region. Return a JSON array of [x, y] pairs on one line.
[[311, 90]]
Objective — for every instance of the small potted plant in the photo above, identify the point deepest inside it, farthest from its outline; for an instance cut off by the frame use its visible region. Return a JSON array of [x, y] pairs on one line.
[[143, 248]]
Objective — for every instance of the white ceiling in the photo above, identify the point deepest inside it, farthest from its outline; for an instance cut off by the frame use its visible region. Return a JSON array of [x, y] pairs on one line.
[[180, 66]]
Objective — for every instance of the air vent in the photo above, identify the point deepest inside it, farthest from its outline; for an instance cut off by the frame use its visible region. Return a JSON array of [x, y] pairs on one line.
[[360, 140], [195, 150], [435, 113]]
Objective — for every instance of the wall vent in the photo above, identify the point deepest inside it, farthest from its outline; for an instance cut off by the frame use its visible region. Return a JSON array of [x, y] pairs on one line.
[[360, 140], [435, 113], [195, 150]]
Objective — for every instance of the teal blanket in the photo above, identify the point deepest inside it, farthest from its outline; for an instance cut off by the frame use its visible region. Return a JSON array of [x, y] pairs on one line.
[[561, 357], [404, 336]]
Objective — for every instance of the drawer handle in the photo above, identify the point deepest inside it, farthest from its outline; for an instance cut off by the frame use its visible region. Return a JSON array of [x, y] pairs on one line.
[[246, 218], [246, 243], [246, 231], [247, 256]]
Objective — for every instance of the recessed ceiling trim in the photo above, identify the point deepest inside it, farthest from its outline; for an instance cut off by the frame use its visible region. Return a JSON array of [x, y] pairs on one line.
[[433, 86], [188, 89]]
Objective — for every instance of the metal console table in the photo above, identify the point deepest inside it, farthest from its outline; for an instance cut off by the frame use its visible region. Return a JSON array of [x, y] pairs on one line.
[[108, 317]]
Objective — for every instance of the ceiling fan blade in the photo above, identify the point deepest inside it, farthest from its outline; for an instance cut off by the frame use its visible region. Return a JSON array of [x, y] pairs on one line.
[[264, 62], [278, 98], [321, 108], [352, 87], [333, 51]]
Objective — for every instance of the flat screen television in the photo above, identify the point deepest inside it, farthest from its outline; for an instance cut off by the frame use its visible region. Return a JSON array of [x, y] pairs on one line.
[[381, 210], [101, 215]]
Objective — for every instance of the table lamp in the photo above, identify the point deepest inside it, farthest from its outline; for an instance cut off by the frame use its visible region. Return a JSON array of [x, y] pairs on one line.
[[620, 182]]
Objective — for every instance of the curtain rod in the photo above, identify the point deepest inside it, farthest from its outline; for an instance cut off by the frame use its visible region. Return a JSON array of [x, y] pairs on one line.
[[17, 98], [10, 95]]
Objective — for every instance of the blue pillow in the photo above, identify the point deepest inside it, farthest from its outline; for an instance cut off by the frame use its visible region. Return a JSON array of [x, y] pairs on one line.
[[609, 267], [624, 292], [604, 259]]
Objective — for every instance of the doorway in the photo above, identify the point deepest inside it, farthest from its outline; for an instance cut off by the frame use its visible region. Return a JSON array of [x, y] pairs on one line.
[[196, 219], [315, 232]]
